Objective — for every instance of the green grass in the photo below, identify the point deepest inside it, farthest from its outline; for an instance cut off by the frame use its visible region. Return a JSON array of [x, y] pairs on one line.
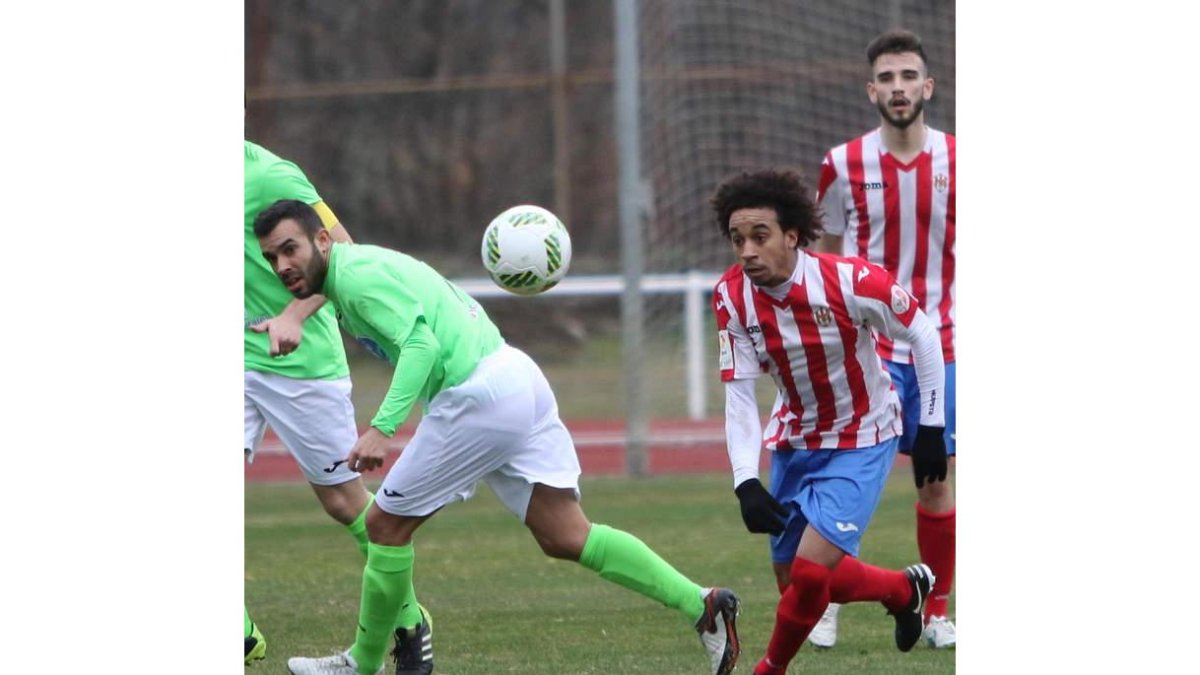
[[500, 606]]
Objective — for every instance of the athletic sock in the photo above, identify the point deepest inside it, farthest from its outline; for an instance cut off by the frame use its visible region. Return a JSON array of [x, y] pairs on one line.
[[799, 610], [358, 529], [855, 581], [387, 593], [624, 559], [935, 540]]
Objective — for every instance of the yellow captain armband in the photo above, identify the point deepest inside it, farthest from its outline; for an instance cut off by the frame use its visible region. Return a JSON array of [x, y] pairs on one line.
[[327, 217]]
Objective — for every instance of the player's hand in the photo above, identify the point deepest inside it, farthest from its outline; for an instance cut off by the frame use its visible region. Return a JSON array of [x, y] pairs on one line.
[[760, 511], [369, 452], [285, 333], [929, 455]]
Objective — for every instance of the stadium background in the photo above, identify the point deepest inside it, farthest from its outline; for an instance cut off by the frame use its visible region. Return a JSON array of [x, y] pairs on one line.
[[419, 121]]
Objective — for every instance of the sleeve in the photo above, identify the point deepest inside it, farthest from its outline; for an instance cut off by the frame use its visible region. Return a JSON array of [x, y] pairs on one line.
[[418, 354], [830, 191], [743, 430], [399, 318], [285, 180], [887, 307], [736, 357]]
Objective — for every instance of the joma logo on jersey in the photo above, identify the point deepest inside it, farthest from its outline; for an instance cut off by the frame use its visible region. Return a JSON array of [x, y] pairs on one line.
[[941, 182], [880, 185], [823, 315]]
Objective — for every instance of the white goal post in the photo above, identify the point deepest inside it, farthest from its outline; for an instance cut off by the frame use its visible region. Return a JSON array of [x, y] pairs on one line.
[[695, 286]]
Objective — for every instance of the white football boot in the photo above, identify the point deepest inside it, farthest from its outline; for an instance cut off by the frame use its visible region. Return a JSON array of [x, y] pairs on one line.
[[338, 664], [824, 634], [939, 633]]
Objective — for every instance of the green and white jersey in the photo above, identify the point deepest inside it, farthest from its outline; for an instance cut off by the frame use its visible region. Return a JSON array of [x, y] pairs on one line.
[[406, 313], [321, 355]]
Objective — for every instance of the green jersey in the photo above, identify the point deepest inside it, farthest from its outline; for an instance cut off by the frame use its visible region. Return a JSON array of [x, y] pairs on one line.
[[320, 355], [406, 313]]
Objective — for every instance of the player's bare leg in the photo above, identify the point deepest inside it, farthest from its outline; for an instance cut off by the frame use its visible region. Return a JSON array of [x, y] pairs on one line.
[[345, 502], [558, 524]]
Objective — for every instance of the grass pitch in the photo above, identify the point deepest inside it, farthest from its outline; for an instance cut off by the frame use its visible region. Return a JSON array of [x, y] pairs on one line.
[[500, 606]]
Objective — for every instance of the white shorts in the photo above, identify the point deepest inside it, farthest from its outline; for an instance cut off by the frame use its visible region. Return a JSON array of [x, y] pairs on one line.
[[501, 425], [313, 418]]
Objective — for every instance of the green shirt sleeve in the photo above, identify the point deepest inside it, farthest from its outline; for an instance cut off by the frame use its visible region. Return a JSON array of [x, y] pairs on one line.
[[418, 355], [285, 180], [394, 314]]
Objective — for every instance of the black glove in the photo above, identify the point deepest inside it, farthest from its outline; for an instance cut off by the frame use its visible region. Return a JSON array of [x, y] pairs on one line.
[[929, 455], [760, 511]]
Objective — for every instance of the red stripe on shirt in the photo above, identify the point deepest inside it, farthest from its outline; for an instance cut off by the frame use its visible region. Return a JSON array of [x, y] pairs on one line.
[[891, 234], [948, 263], [891, 211], [924, 219], [774, 342], [818, 366], [861, 399], [858, 177]]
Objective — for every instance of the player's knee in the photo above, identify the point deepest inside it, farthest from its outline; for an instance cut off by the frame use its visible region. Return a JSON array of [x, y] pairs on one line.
[[389, 530], [343, 502], [338, 507], [807, 576]]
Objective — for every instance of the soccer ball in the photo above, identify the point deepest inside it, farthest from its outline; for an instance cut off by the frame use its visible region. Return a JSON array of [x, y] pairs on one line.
[[526, 250]]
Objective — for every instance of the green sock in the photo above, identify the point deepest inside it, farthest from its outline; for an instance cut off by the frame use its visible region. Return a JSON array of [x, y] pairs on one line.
[[387, 593], [624, 559], [249, 624], [358, 529]]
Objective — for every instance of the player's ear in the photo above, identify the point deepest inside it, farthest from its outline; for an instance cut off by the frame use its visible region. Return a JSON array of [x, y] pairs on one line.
[[791, 238], [871, 91], [927, 90]]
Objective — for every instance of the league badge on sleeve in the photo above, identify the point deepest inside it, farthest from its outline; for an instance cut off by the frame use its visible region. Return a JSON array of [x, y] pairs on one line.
[[900, 299], [726, 352]]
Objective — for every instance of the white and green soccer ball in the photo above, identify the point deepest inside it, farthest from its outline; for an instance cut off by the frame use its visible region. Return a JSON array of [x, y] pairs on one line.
[[526, 250]]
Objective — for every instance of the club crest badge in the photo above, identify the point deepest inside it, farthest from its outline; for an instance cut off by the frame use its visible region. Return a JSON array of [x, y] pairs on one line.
[[823, 315]]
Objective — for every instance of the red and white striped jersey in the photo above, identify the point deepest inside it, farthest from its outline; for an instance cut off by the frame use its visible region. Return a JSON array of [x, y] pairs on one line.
[[898, 216], [818, 343]]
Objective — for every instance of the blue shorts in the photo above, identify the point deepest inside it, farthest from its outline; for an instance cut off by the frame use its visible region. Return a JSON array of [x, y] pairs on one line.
[[904, 377], [834, 491]]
